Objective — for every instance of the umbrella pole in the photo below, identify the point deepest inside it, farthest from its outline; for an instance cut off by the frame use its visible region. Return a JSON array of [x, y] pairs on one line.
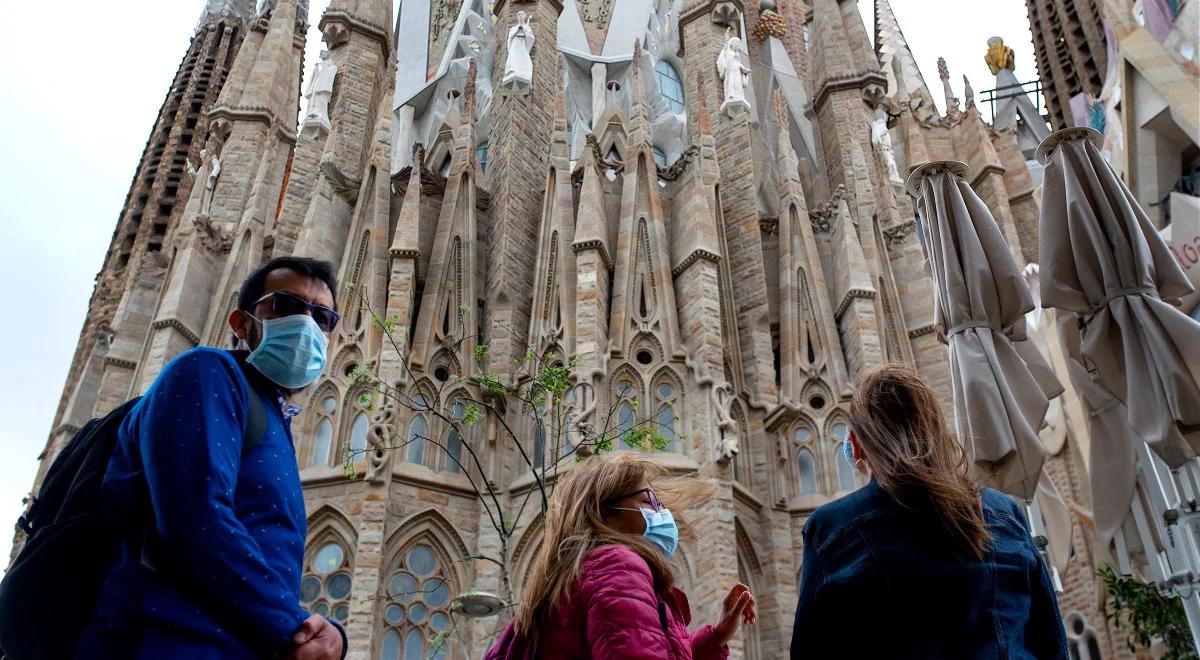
[[1037, 528]]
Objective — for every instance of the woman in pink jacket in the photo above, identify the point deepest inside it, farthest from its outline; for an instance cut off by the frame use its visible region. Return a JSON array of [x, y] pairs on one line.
[[601, 585]]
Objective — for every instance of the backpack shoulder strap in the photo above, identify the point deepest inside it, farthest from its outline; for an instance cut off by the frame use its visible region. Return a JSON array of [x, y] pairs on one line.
[[256, 413], [256, 420]]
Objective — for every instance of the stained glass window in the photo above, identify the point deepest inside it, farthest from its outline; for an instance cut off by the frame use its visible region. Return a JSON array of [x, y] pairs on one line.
[[326, 585], [418, 608]]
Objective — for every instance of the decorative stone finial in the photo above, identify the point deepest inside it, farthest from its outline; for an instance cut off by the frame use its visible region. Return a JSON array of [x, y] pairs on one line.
[[770, 22], [999, 56]]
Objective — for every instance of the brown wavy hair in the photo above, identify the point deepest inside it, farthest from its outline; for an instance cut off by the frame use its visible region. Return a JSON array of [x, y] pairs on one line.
[[912, 454], [575, 524]]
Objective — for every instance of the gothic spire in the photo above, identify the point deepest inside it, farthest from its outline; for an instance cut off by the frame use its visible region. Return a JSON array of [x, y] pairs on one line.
[[906, 85], [952, 110], [264, 80]]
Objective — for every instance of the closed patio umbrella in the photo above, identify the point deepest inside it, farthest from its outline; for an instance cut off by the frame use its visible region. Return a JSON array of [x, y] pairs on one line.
[[980, 304], [1102, 259], [1136, 361]]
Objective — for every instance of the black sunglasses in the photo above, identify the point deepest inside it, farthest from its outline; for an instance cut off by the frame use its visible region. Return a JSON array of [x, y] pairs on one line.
[[649, 499], [286, 304]]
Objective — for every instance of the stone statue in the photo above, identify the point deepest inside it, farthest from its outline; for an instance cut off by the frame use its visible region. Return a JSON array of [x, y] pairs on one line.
[[734, 74], [726, 424], [210, 162], [883, 142], [518, 68], [320, 90]]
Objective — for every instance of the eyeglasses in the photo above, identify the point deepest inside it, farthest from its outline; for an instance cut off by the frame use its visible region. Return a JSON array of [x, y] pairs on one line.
[[286, 304], [649, 500]]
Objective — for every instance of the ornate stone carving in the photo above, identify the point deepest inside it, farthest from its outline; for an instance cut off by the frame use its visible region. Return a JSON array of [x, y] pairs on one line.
[[895, 236], [211, 236], [382, 441], [823, 217], [727, 14]]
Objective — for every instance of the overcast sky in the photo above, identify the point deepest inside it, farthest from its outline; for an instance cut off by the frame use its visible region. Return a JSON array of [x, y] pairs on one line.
[[77, 103]]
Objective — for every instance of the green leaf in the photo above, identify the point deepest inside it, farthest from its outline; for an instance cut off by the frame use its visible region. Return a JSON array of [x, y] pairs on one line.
[[1146, 615], [470, 414], [481, 353]]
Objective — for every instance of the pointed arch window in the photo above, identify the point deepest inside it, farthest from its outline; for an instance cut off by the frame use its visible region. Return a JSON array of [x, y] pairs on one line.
[[810, 339], [481, 156], [417, 609], [325, 586], [358, 435], [322, 439], [670, 86], [846, 479], [806, 465], [666, 407], [627, 404], [418, 431], [454, 439]]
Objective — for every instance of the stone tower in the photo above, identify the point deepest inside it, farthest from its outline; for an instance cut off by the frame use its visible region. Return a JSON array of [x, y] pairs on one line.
[[715, 249], [1069, 43], [135, 265]]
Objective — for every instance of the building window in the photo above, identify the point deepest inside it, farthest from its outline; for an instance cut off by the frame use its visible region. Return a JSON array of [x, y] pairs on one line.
[[670, 86], [418, 431], [845, 469], [481, 155], [665, 396], [660, 158], [417, 609], [806, 465], [454, 440], [321, 443], [627, 397], [325, 587], [358, 435], [1082, 643]]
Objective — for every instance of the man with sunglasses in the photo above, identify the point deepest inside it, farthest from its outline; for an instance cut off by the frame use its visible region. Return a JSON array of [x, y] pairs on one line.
[[205, 470]]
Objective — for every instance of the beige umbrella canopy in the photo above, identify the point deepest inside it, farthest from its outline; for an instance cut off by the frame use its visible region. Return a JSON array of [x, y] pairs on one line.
[[1102, 259], [980, 305]]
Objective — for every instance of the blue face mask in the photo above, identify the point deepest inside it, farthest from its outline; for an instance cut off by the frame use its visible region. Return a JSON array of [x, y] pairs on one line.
[[661, 530], [292, 351], [848, 451]]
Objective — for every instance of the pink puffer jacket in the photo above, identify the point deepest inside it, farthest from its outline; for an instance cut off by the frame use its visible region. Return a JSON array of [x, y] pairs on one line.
[[614, 613]]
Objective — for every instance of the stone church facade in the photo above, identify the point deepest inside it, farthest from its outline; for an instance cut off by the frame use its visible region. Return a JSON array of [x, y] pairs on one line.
[[723, 266]]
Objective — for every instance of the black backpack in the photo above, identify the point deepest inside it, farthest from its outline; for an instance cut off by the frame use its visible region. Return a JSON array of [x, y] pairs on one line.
[[50, 590]]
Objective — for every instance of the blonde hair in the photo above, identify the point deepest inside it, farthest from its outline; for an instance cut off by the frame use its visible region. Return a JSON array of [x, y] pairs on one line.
[[907, 443], [575, 525]]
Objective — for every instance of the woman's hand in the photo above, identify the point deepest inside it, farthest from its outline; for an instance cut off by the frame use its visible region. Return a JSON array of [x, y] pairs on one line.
[[739, 609]]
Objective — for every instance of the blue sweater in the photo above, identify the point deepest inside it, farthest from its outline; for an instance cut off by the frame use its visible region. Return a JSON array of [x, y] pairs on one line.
[[227, 543]]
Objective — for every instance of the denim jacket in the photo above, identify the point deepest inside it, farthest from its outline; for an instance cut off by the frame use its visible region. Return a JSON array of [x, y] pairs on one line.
[[883, 581]]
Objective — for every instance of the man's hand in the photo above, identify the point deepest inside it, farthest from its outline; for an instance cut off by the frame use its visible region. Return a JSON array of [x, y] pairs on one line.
[[317, 639]]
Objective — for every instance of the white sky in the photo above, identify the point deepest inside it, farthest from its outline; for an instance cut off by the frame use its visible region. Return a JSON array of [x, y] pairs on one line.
[[76, 107]]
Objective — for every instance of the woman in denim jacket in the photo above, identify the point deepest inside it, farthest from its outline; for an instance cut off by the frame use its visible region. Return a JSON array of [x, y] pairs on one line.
[[920, 562]]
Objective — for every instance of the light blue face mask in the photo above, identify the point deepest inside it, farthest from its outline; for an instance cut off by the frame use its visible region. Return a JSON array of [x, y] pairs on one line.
[[661, 529], [292, 351]]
